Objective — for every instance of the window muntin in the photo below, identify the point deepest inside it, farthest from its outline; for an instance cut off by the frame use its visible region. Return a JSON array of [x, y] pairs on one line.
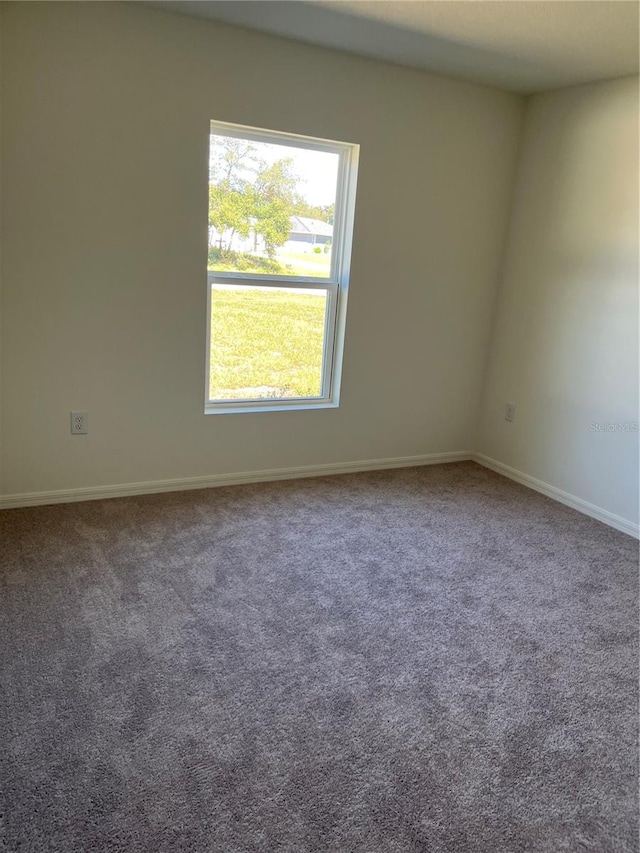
[[278, 279]]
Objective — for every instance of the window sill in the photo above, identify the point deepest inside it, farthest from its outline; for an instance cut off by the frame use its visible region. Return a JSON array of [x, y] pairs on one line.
[[279, 406]]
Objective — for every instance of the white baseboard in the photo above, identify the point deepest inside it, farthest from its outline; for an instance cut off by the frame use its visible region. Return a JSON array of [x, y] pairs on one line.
[[150, 487], [559, 495], [95, 493]]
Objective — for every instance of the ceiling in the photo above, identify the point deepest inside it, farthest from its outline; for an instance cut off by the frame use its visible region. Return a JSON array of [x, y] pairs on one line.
[[518, 45]]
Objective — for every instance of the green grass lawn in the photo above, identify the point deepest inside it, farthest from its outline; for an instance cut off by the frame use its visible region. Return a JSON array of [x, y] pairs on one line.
[[284, 263], [266, 342], [306, 263]]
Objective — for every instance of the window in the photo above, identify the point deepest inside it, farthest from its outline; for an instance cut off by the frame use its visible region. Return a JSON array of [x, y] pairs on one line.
[[281, 212]]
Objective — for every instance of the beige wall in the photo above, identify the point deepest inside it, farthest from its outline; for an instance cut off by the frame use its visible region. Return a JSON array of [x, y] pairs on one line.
[[105, 134], [1, 395], [565, 341]]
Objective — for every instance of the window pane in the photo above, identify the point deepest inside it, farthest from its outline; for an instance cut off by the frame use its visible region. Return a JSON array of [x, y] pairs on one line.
[[266, 342], [271, 207]]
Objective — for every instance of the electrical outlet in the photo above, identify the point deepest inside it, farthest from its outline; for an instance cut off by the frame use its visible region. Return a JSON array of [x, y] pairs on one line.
[[510, 412], [79, 423]]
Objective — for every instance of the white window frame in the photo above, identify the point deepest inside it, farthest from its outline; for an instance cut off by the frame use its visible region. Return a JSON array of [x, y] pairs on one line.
[[336, 285]]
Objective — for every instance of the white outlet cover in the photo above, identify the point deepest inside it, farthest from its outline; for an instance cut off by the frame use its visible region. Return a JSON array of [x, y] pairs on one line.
[[79, 423]]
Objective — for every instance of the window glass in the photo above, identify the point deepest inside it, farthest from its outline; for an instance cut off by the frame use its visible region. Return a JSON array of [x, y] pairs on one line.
[[271, 208], [266, 342]]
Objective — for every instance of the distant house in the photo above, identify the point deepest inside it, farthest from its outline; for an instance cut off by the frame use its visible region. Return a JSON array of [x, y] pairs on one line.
[[312, 232], [304, 235]]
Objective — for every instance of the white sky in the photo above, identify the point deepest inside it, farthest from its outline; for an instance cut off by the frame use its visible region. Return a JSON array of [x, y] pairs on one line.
[[318, 171]]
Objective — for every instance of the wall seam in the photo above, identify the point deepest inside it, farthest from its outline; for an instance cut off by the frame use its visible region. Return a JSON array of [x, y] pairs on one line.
[[502, 267]]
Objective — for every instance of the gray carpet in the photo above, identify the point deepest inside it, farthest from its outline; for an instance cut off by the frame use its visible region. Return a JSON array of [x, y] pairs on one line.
[[429, 659]]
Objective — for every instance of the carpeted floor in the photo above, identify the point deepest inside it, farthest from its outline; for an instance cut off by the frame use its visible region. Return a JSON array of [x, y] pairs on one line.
[[429, 659]]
